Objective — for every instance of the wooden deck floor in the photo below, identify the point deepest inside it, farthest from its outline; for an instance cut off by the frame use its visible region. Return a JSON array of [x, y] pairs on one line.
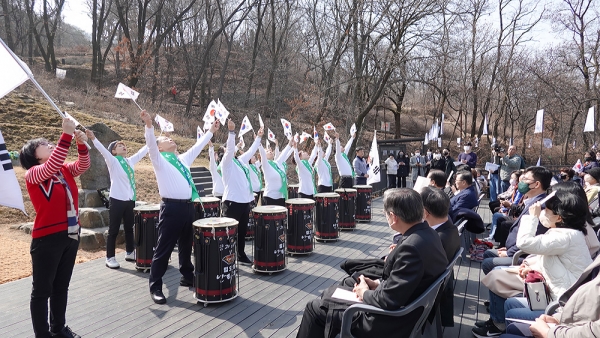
[[116, 303]]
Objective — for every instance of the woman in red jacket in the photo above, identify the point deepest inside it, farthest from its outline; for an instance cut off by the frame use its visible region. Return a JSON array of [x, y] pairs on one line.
[[54, 194]]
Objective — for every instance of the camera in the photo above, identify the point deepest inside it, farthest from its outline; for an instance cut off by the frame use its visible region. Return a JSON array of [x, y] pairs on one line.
[[497, 148]]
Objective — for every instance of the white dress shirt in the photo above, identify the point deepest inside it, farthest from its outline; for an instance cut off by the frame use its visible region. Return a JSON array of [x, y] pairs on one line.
[[171, 184], [344, 167], [305, 177], [236, 183], [120, 187], [217, 180], [323, 168], [272, 179]]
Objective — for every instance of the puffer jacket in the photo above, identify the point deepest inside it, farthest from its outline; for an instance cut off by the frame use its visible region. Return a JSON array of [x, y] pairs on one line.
[[562, 253]]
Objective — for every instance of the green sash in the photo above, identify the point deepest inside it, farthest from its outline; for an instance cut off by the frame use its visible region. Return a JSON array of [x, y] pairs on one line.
[[284, 189], [246, 172], [129, 172], [349, 163], [183, 170], [258, 173], [312, 174], [219, 170]]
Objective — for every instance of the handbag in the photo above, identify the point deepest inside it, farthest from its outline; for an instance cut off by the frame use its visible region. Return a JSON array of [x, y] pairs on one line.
[[536, 291]]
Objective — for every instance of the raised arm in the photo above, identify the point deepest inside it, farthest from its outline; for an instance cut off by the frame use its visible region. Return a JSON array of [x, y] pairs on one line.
[[108, 157], [230, 150], [539, 245], [263, 154], [153, 151], [83, 161], [313, 155], [44, 171], [212, 166], [189, 156], [245, 157], [285, 154], [328, 151], [135, 158], [348, 145]]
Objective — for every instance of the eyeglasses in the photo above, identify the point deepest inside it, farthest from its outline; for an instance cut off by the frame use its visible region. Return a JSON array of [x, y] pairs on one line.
[[45, 143]]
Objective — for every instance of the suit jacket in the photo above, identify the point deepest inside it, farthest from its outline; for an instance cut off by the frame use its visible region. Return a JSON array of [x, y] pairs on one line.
[[451, 242], [581, 309], [511, 239], [465, 199], [417, 171], [416, 262]]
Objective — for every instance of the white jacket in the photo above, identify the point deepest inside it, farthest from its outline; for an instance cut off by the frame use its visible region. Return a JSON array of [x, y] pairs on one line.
[[562, 253]]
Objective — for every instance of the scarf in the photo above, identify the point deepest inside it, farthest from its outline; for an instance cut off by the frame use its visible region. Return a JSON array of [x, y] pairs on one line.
[[72, 217]]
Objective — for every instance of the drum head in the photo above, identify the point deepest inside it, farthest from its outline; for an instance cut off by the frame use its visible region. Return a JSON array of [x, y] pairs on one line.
[[147, 208], [362, 187], [213, 222], [327, 195], [303, 201], [293, 185], [269, 209], [345, 190], [207, 199]]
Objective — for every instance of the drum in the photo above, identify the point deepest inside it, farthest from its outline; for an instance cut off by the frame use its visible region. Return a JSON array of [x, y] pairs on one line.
[[327, 215], [250, 230], [215, 258], [293, 191], [300, 225], [210, 207], [363, 202], [347, 220], [269, 238], [145, 234]]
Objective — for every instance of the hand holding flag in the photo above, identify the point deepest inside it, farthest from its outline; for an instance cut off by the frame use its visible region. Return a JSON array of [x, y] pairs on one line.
[[222, 113], [304, 137], [165, 126], [353, 129], [329, 126], [287, 128], [124, 92], [270, 135], [260, 121], [245, 126]]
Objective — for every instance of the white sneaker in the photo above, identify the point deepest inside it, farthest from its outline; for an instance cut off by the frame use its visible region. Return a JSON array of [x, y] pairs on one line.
[[112, 263], [130, 256]]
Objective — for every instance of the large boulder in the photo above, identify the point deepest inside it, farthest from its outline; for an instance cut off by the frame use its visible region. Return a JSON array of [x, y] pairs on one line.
[[97, 176], [90, 218]]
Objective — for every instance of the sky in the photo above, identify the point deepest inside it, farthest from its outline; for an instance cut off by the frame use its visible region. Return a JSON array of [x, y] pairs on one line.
[[76, 12]]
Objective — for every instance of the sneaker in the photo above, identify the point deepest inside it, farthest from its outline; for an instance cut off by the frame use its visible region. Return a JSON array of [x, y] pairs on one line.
[[484, 323], [490, 330], [112, 263], [130, 256], [66, 332]]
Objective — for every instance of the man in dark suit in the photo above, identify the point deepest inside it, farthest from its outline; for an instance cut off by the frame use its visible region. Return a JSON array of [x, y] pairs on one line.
[[533, 184], [465, 196], [416, 262]]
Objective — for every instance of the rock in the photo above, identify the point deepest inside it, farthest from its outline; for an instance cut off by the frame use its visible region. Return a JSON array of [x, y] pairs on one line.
[[92, 199], [81, 198], [15, 227], [90, 218], [97, 176], [68, 103], [88, 240], [26, 227], [105, 215], [28, 101], [120, 236]]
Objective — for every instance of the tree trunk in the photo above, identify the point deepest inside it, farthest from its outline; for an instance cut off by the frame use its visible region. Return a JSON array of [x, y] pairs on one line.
[[7, 25]]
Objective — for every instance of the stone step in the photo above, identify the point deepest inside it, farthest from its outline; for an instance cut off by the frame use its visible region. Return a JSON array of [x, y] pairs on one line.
[[199, 169], [94, 239], [203, 179]]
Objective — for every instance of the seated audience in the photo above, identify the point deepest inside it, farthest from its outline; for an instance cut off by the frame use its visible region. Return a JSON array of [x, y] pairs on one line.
[[438, 179], [509, 206], [592, 183], [465, 196]]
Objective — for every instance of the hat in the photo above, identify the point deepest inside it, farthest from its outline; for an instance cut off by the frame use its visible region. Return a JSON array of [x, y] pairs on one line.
[[595, 173], [112, 145]]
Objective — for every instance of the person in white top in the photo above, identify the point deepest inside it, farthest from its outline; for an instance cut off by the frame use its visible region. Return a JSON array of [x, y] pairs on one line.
[[122, 195], [274, 171], [238, 192], [177, 190], [215, 173], [306, 174], [343, 162], [256, 175], [325, 181], [392, 170]]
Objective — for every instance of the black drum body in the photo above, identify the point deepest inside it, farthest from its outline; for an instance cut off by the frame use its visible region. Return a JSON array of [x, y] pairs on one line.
[[363, 202], [327, 217], [145, 234], [293, 191], [269, 238], [210, 207], [347, 208], [300, 223]]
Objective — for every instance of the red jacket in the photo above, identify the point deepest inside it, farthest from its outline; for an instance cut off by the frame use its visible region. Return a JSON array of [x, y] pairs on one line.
[[47, 194]]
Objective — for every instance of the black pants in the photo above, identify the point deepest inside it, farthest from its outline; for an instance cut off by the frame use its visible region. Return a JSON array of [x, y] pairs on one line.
[[120, 210], [360, 180], [240, 212], [391, 181], [174, 227], [401, 181], [346, 182], [301, 195], [324, 188], [52, 258], [273, 201]]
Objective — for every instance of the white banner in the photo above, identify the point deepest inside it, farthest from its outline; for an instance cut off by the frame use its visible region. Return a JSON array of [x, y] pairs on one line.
[[589, 121], [539, 121], [485, 126], [442, 125], [12, 73], [10, 191], [374, 171]]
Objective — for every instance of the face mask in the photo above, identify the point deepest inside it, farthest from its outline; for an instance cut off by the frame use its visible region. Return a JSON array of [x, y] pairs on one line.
[[437, 156], [545, 220], [589, 159], [512, 182], [523, 187], [429, 153], [417, 154], [563, 177], [445, 154], [401, 154], [467, 148]]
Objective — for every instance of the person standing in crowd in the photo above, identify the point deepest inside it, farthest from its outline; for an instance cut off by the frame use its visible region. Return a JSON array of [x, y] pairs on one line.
[[55, 234], [122, 195], [428, 158], [392, 170], [417, 165], [589, 162], [361, 167], [255, 175], [323, 168], [177, 191], [510, 162], [342, 162], [450, 166], [438, 162], [215, 170], [306, 174], [274, 171], [238, 192], [468, 157], [403, 166], [495, 188]]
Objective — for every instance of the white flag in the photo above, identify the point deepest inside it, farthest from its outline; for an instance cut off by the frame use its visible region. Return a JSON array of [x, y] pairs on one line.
[[529, 146], [222, 113], [458, 141], [296, 138], [493, 140], [326, 137], [426, 142], [304, 137], [589, 121], [539, 121], [260, 121], [287, 128], [315, 133], [353, 129], [242, 143], [574, 144], [124, 92], [245, 126], [61, 73], [164, 125], [207, 125], [374, 169], [578, 167], [485, 126], [211, 112], [72, 119], [270, 135], [442, 125], [547, 143], [476, 142], [539, 162], [267, 144], [329, 126], [199, 132], [12, 73], [439, 142], [10, 191]]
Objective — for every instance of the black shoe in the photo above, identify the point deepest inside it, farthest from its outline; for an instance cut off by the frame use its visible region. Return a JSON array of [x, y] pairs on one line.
[[488, 226], [484, 323], [489, 330], [486, 303], [243, 259], [66, 332], [185, 282], [158, 297]]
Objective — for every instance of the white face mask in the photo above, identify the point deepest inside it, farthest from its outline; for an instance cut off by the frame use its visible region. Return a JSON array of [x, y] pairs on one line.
[[417, 154], [545, 220], [467, 148], [513, 182], [437, 156]]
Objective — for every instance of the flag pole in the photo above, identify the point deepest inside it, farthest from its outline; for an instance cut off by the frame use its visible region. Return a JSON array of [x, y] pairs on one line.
[[37, 85]]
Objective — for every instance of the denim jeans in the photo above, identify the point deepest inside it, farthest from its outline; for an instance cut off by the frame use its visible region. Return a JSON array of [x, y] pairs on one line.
[[497, 308], [491, 260], [494, 187], [517, 307], [495, 217], [504, 185]]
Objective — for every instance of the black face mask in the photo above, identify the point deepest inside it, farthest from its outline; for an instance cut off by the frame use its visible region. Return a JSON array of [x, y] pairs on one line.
[[563, 177], [589, 159]]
